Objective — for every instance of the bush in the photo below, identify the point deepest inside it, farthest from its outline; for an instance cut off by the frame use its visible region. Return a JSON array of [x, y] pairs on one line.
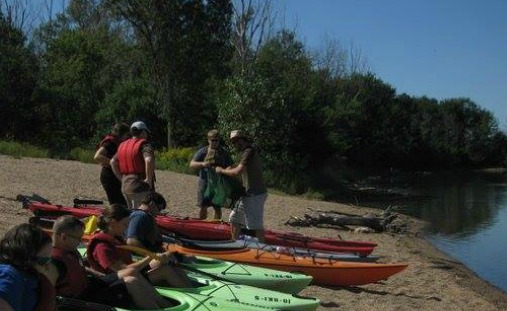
[[175, 159], [82, 155], [19, 150]]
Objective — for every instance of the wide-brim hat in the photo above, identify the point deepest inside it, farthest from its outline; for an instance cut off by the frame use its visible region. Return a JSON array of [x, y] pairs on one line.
[[236, 134]]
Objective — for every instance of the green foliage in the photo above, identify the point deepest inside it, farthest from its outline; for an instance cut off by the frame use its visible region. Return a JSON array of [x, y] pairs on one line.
[[270, 126], [82, 155], [175, 159], [18, 67], [19, 150], [185, 44]]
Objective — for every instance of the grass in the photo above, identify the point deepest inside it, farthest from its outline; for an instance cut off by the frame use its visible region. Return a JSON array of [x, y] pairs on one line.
[[174, 159], [82, 155], [19, 150]]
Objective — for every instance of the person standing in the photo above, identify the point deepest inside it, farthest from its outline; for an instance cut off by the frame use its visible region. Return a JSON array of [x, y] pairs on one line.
[[134, 165], [212, 155], [249, 211], [105, 151], [26, 280]]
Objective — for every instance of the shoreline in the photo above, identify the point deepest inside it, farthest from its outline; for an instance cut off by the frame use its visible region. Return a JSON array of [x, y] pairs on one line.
[[433, 280]]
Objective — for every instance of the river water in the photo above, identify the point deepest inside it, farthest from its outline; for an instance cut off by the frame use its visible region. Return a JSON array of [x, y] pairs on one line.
[[467, 216]]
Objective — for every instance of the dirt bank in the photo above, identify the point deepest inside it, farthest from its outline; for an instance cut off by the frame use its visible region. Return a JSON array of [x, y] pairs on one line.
[[431, 282]]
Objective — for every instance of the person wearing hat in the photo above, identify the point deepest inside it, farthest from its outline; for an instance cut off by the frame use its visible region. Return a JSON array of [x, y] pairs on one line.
[[206, 157], [134, 165], [106, 149], [249, 211]]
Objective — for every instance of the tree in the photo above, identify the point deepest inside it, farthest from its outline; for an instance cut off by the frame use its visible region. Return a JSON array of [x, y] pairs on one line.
[[366, 105], [337, 61], [186, 43], [252, 26], [19, 69]]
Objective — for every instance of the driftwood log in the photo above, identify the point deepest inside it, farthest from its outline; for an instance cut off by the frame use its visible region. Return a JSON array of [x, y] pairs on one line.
[[334, 218]]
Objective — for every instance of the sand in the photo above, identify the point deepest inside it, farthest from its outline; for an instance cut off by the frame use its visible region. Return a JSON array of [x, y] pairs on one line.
[[432, 281]]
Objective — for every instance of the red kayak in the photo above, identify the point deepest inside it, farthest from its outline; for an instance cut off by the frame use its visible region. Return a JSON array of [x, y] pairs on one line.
[[198, 229], [218, 230]]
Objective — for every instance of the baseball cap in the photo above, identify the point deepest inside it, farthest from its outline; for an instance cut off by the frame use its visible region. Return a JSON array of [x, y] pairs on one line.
[[139, 125]]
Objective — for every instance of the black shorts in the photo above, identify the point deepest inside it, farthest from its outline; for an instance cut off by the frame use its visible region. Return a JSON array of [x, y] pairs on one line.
[[108, 289]]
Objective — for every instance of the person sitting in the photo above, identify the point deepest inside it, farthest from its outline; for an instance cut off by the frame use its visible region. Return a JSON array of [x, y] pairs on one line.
[[142, 230], [75, 280], [105, 256], [25, 274]]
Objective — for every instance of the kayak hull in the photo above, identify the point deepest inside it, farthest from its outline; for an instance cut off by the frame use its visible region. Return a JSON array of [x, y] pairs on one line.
[[181, 301], [255, 244], [324, 272]]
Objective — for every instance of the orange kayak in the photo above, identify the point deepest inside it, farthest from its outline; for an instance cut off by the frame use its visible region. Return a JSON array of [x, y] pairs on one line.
[[324, 272]]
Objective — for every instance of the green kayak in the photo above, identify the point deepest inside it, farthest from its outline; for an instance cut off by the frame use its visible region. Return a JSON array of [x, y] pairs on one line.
[[249, 295], [282, 281], [211, 276], [180, 300]]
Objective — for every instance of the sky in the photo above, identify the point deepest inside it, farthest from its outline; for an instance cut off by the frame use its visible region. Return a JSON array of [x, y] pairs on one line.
[[435, 48]]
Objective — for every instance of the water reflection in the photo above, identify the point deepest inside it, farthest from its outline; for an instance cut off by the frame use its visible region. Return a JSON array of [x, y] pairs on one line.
[[467, 218], [461, 205], [466, 213]]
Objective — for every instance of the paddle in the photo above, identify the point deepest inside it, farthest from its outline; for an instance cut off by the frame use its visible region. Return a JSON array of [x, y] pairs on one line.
[[139, 250], [33, 197], [144, 252]]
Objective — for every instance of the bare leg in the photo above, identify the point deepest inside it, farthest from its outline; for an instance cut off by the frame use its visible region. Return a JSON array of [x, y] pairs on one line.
[[173, 276], [235, 231], [203, 213], [259, 234], [218, 213], [144, 294]]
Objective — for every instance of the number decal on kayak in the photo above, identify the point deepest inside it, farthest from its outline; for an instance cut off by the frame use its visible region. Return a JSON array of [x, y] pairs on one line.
[[272, 299], [278, 276]]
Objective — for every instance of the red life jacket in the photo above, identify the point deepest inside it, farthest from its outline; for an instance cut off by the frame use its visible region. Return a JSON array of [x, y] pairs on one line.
[[129, 156], [75, 280], [109, 139], [47, 294], [102, 237], [110, 142]]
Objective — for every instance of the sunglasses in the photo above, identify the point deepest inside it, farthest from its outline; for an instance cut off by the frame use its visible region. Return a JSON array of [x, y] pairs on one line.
[[42, 260]]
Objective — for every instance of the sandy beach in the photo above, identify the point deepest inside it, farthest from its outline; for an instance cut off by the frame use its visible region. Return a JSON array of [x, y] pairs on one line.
[[432, 281]]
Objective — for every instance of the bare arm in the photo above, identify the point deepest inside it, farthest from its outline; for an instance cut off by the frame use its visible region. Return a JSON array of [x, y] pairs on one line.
[[231, 171], [100, 157], [134, 242], [137, 265], [95, 273], [115, 166], [198, 164], [150, 169]]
